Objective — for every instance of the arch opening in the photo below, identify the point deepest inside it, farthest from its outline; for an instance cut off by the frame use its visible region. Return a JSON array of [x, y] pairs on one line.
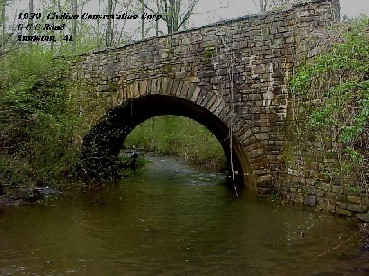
[[101, 146], [180, 137]]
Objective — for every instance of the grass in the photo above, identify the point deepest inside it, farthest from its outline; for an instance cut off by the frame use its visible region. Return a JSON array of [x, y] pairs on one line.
[[181, 137]]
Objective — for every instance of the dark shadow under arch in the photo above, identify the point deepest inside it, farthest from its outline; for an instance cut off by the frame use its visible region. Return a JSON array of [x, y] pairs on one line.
[[103, 143]]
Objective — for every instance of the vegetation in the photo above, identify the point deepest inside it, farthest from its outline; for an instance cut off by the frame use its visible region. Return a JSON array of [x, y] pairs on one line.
[[37, 118], [178, 136], [334, 99]]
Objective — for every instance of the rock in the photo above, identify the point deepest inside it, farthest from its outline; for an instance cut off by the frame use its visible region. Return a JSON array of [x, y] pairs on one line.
[[310, 200], [364, 217], [354, 199], [102, 88], [320, 193], [7, 202], [3, 201], [31, 196], [46, 191], [35, 194], [326, 204], [341, 205], [343, 212], [357, 208], [129, 160]]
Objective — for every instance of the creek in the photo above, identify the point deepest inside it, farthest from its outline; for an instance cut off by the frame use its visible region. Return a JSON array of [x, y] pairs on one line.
[[173, 219]]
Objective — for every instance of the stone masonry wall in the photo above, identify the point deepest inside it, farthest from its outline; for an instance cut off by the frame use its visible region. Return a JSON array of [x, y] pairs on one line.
[[237, 69], [309, 173]]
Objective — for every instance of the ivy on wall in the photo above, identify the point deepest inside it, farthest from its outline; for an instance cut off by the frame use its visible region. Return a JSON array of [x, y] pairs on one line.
[[334, 90]]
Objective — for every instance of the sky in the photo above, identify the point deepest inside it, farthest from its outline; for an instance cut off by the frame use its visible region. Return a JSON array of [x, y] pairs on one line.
[[213, 10], [210, 11], [221, 9]]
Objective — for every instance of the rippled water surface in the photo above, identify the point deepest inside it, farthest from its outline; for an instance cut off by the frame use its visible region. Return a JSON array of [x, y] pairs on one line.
[[171, 219]]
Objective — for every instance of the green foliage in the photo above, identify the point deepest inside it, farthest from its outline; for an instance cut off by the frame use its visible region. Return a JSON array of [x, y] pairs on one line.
[[209, 52], [38, 126], [178, 136], [276, 197], [334, 89]]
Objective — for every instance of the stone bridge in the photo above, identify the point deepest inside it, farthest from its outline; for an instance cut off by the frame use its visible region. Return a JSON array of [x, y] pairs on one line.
[[231, 76]]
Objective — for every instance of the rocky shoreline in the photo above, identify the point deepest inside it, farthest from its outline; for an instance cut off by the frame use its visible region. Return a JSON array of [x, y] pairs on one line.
[[27, 196], [8, 202]]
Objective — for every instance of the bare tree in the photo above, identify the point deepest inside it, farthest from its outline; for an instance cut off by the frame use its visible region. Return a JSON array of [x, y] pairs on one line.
[[175, 12], [30, 18], [74, 26], [142, 20], [109, 27], [265, 5], [2, 22]]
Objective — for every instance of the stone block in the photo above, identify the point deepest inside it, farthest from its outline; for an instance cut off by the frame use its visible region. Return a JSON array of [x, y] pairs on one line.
[[320, 193], [265, 180], [310, 190], [164, 86], [174, 88], [357, 208], [154, 89], [256, 152], [102, 88], [354, 199], [341, 205], [343, 212], [310, 200], [179, 90], [363, 217], [325, 204], [142, 87]]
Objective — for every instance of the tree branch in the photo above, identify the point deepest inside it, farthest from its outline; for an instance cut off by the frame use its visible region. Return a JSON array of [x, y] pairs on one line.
[[188, 13], [146, 6]]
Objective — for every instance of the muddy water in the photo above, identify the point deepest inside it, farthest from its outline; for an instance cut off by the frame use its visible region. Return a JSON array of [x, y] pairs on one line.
[[171, 219]]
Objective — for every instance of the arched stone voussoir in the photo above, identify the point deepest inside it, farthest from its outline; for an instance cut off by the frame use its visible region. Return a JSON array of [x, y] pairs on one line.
[[164, 96]]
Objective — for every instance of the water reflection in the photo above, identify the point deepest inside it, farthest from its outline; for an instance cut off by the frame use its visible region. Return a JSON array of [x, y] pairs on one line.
[[171, 219]]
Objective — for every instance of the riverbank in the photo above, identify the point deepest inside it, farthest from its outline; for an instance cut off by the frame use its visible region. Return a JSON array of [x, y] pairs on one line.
[[179, 137]]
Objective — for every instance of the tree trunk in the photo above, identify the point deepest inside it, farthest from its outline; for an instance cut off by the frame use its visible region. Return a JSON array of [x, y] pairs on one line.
[[142, 20], [171, 12], [157, 22], [74, 26], [176, 8], [30, 19], [3, 23], [61, 22], [109, 28]]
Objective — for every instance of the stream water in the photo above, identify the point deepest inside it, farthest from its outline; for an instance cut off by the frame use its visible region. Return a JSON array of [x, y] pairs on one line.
[[172, 219]]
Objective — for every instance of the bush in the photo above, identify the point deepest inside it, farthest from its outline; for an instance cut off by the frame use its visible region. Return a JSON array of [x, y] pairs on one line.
[[333, 109], [38, 124], [334, 89]]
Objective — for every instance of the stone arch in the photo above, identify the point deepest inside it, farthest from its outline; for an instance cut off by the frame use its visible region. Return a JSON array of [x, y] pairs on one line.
[[141, 100]]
